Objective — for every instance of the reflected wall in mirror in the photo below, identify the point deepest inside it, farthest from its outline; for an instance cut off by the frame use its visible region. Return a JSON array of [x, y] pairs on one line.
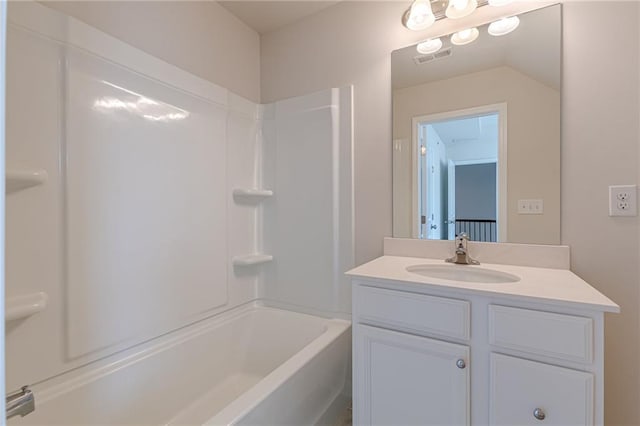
[[476, 136]]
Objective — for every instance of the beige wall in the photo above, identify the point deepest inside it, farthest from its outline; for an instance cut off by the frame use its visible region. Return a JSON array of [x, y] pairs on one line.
[[352, 42], [600, 148], [533, 135], [201, 37]]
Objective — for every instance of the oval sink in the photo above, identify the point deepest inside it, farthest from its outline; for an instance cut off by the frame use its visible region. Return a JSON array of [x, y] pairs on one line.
[[464, 273]]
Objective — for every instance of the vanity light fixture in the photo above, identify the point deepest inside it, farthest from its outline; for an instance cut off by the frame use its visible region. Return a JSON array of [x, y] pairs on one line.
[[504, 26], [420, 16], [499, 2], [429, 46], [465, 36], [460, 8]]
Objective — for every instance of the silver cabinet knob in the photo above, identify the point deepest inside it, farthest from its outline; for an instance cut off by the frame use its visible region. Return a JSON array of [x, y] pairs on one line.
[[460, 363], [539, 414]]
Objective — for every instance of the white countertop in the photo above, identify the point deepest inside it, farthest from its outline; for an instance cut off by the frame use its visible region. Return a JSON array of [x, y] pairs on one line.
[[557, 286]]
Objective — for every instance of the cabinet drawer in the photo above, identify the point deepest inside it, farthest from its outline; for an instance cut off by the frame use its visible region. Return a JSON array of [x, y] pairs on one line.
[[544, 333], [519, 387], [413, 312]]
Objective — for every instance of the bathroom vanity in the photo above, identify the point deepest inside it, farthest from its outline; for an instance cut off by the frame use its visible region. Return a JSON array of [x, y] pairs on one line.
[[500, 344]]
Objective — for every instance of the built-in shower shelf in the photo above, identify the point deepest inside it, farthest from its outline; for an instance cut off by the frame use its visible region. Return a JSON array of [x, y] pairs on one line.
[[25, 305], [253, 194], [17, 180], [251, 259]]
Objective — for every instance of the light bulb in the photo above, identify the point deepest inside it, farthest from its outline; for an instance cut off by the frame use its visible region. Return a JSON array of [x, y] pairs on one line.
[[504, 26], [459, 4], [429, 46], [420, 16], [499, 2], [460, 8], [465, 36]]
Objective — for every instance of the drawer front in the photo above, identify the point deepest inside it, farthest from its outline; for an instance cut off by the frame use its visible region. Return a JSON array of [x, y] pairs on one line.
[[559, 336], [413, 312], [532, 393]]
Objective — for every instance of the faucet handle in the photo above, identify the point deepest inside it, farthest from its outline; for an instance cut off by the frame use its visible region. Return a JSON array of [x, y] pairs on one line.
[[463, 236]]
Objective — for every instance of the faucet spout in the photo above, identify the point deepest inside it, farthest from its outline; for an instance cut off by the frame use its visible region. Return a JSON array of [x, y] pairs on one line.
[[461, 256]]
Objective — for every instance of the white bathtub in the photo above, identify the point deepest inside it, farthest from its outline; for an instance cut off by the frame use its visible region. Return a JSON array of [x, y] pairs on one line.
[[254, 365]]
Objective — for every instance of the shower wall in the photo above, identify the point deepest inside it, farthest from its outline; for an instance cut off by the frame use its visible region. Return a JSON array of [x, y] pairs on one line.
[[308, 226], [121, 225]]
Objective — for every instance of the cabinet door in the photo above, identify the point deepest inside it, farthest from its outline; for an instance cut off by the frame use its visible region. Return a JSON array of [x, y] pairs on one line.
[[532, 393], [401, 379]]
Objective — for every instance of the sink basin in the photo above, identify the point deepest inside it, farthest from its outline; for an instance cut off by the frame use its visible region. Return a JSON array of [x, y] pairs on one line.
[[467, 273]]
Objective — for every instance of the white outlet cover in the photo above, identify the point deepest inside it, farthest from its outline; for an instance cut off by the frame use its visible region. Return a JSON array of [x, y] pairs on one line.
[[533, 206], [623, 200]]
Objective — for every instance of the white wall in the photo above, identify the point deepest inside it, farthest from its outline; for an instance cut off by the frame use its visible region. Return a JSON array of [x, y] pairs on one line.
[[600, 148], [201, 37], [352, 42]]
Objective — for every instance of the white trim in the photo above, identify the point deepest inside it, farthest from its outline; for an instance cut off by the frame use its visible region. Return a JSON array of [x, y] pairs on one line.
[[415, 166], [3, 45], [502, 169]]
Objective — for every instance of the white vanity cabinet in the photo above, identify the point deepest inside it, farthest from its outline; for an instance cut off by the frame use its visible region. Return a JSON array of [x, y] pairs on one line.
[[410, 380], [430, 355]]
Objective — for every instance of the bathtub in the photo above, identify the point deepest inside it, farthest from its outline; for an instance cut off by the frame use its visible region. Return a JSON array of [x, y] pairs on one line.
[[254, 365]]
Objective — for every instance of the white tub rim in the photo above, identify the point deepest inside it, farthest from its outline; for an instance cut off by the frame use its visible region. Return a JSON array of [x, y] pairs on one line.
[[255, 395], [57, 386]]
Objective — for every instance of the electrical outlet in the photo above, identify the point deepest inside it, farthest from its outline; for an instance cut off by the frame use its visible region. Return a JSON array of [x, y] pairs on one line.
[[623, 200]]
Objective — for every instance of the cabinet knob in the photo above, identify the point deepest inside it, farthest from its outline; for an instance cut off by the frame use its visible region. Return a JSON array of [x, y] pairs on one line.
[[539, 414], [460, 363]]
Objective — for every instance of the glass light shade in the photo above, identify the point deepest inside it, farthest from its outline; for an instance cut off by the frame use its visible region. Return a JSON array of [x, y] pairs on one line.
[[499, 2], [420, 16], [504, 26], [460, 8], [429, 46], [465, 36]]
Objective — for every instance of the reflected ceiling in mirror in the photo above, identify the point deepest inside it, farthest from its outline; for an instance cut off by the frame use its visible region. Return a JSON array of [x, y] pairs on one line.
[[476, 135]]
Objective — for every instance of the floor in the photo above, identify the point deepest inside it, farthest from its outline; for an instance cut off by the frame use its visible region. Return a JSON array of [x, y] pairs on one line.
[[345, 418]]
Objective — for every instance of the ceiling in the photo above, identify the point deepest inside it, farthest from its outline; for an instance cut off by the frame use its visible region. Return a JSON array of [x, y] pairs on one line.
[[265, 16]]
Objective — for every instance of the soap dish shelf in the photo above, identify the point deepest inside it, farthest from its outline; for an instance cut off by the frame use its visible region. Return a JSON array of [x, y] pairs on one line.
[[24, 305], [17, 180], [251, 259], [252, 194]]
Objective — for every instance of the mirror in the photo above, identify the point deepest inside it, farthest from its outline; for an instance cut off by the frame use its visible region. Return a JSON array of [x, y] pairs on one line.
[[476, 136]]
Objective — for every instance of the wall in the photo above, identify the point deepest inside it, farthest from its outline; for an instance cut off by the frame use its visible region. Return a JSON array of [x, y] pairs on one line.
[[201, 37], [352, 42], [476, 191], [600, 148], [533, 165]]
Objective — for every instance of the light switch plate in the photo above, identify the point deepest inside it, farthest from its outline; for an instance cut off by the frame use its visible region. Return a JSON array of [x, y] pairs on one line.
[[535, 206], [623, 200]]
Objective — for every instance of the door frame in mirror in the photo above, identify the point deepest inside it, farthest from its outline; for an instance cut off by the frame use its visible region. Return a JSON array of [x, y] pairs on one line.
[[502, 169]]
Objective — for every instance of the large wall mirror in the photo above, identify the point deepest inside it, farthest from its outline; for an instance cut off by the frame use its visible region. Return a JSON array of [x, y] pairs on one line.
[[476, 136]]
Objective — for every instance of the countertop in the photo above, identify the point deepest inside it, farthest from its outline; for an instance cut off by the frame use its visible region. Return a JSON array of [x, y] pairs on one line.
[[557, 286]]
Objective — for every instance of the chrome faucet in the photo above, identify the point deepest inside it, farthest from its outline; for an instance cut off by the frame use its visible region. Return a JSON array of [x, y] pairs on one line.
[[20, 403], [461, 256]]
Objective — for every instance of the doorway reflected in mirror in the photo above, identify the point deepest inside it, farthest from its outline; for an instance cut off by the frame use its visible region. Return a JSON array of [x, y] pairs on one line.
[[459, 175]]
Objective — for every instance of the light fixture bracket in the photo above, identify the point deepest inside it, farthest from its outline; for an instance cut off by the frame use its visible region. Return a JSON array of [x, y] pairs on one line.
[[438, 7]]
